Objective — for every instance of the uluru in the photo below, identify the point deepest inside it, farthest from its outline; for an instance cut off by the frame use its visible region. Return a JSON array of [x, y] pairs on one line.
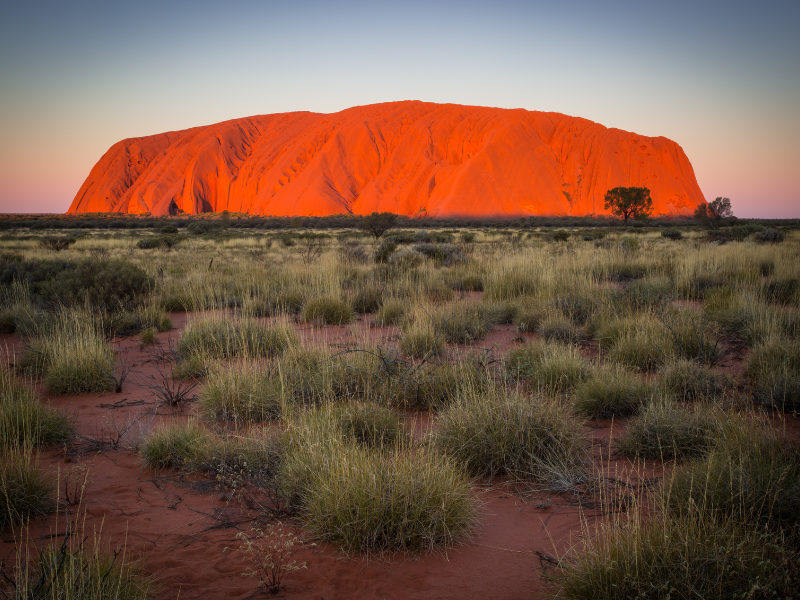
[[410, 158]]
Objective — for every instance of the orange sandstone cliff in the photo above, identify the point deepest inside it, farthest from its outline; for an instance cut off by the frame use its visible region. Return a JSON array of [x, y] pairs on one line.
[[410, 158]]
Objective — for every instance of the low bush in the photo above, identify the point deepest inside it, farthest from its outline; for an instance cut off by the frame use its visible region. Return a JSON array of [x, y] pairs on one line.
[[220, 338], [326, 311], [25, 490], [497, 431], [549, 367], [243, 392], [668, 431], [612, 392], [384, 251], [769, 236], [672, 234]]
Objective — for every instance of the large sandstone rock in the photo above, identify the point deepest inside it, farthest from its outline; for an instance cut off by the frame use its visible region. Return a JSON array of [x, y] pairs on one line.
[[410, 158]]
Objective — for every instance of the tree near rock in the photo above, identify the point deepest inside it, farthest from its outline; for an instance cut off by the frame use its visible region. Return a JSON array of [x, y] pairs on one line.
[[378, 223], [627, 202], [711, 214]]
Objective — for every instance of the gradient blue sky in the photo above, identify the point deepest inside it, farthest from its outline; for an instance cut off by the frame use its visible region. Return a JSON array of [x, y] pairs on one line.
[[722, 79]]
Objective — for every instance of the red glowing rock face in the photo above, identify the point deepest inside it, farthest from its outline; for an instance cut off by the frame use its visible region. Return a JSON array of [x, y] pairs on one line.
[[410, 158]]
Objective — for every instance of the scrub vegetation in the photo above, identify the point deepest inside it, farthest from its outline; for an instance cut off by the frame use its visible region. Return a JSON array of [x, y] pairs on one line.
[[373, 380]]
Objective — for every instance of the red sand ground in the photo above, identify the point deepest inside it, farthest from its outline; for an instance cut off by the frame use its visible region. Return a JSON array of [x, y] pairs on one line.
[[179, 532], [410, 158]]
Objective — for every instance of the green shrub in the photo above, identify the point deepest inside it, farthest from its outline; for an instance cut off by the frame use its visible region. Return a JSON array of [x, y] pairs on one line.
[[385, 251], [366, 299], [550, 367], [25, 421], [243, 392], [25, 490], [326, 311], [667, 431], [503, 432], [220, 338], [612, 392], [769, 236], [774, 369], [101, 284], [176, 446], [672, 234]]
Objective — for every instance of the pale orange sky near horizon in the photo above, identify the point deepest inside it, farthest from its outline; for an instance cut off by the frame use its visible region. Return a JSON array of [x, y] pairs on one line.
[[720, 79]]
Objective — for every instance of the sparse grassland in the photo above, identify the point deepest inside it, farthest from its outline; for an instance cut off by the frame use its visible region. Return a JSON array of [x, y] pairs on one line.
[[376, 388]]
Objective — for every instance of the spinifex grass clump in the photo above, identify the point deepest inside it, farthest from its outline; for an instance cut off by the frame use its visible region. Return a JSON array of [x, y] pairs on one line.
[[25, 490], [613, 392], [510, 286], [640, 341], [73, 572], [220, 338], [24, 419], [549, 367], [70, 351], [668, 431], [688, 556], [175, 446], [686, 380], [327, 311], [774, 369], [370, 425], [242, 392], [435, 386], [462, 323], [420, 339], [392, 312], [500, 431], [751, 475], [368, 500]]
